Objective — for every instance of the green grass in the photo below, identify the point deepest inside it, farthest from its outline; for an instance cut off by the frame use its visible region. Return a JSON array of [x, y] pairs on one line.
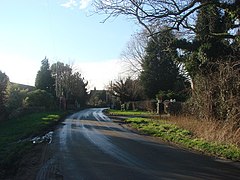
[[128, 113], [172, 133], [14, 130]]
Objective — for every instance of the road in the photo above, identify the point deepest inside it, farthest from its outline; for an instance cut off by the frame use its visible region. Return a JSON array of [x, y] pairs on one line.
[[89, 145]]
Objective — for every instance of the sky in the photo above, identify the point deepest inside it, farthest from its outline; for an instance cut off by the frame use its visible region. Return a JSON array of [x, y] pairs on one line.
[[65, 31]]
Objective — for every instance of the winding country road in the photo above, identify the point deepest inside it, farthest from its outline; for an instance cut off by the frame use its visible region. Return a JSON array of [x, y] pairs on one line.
[[89, 145]]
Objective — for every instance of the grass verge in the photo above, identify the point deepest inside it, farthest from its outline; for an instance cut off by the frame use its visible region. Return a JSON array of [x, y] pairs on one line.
[[128, 113], [171, 132], [15, 130]]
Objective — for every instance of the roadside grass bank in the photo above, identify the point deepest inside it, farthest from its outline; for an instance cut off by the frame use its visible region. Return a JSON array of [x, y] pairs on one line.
[[15, 135], [210, 130], [205, 136], [128, 113]]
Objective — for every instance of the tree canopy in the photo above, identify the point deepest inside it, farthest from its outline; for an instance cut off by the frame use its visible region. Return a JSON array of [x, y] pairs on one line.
[[44, 79], [159, 70], [68, 84], [126, 89]]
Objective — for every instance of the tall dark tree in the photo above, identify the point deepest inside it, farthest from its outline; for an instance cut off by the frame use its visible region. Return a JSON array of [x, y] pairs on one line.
[[4, 80], [211, 21], [62, 75], [69, 86], [160, 72], [44, 79], [211, 29], [79, 89]]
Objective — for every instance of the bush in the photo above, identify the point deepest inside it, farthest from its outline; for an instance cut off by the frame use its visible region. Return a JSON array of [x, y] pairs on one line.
[[175, 108], [15, 98], [40, 98], [22, 111], [148, 105], [216, 94]]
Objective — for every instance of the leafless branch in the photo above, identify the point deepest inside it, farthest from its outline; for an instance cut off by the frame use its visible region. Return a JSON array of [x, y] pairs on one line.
[[171, 13]]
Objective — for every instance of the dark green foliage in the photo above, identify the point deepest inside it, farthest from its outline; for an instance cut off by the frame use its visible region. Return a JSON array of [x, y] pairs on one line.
[[214, 20], [211, 21], [69, 85], [16, 97], [126, 90], [78, 89], [160, 72], [209, 45], [40, 98], [4, 80], [44, 79], [167, 95]]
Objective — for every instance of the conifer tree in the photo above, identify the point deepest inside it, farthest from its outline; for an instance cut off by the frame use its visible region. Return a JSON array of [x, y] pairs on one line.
[[160, 72], [44, 79]]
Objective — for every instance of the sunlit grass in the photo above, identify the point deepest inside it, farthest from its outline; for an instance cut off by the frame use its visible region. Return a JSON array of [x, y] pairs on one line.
[[172, 133], [51, 118], [128, 113]]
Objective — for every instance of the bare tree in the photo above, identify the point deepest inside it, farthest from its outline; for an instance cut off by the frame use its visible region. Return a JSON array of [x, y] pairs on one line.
[[133, 55], [176, 14]]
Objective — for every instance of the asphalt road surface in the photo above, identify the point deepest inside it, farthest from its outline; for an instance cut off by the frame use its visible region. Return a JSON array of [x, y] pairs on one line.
[[89, 145]]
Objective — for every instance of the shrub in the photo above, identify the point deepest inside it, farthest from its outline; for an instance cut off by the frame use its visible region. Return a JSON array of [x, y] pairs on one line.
[[40, 98]]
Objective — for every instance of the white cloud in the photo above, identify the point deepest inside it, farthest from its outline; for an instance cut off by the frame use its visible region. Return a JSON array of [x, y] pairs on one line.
[[23, 70], [19, 69], [99, 74], [82, 4], [70, 4]]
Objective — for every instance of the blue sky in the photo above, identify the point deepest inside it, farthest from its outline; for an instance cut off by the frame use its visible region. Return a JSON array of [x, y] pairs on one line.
[[62, 30]]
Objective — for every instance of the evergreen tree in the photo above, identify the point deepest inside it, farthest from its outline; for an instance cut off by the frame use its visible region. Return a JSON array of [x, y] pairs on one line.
[[4, 80], [78, 89], [159, 70], [208, 44], [44, 79]]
